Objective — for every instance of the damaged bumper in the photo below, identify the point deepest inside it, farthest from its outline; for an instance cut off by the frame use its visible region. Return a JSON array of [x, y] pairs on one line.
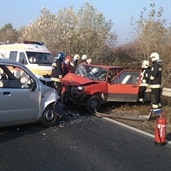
[[58, 110]]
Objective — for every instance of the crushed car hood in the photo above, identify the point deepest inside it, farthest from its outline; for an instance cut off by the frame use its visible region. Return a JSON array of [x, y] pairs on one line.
[[73, 79]]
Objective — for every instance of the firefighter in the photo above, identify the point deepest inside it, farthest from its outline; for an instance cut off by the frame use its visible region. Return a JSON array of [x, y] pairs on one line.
[[66, 65], [145, 76], [84, 59], [56, 74], [74, 63], [155, 80]]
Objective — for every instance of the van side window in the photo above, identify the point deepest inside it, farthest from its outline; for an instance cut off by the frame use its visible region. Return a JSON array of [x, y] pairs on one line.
[[13, 55], [22, 58]]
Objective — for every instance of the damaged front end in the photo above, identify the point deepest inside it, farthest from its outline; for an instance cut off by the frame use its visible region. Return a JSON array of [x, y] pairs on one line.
[[73, 95]]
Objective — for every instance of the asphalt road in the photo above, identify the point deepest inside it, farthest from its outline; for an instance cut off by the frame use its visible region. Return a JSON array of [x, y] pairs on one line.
[[85, 144]]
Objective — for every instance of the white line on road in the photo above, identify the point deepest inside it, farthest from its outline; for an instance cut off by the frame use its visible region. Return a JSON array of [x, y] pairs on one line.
[[135, 129]]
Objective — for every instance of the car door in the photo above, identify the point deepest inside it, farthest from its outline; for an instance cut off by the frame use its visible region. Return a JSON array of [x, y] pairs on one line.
[[18, 104], [124, 87]]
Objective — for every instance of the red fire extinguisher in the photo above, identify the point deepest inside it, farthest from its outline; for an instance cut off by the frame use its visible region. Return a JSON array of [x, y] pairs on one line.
[[160, 130]]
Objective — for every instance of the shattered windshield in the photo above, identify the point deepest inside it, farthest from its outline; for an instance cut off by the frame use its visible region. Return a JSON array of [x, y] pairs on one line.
[[92, 72], [39, 58]]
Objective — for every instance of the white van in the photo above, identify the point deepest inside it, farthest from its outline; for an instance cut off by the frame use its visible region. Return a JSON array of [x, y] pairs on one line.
[[32, 54]]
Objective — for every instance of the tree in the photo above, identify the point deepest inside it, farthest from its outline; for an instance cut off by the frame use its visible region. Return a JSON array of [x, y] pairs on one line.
[[150, 32], [8, 34], [85, 32], [152, 36]]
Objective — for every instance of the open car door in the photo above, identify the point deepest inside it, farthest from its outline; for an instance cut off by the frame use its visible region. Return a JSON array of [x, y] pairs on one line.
[[124, 87]]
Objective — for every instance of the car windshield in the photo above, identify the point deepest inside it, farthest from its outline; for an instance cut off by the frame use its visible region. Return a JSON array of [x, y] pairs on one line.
[[39, 58], [92, 72]]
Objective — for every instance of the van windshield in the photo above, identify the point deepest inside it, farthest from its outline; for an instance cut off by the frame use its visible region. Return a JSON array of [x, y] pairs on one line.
[[39, 58]]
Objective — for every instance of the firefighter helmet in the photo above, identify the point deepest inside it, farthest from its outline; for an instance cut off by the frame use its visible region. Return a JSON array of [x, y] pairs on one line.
[[84, 57], [76, 57], [60, 55], [154, 56], [145, 64]]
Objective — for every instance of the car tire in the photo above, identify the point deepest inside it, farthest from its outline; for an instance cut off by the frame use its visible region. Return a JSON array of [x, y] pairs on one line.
[[49, 118], [65, 98], [93, 104]]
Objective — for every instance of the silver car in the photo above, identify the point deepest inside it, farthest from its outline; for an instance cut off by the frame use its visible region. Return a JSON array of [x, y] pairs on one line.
[[24, 98]]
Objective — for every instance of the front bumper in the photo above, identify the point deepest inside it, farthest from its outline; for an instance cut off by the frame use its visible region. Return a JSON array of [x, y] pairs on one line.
[[77, 95]]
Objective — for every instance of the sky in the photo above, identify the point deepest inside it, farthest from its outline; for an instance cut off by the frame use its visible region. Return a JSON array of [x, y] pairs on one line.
[[22, 12]]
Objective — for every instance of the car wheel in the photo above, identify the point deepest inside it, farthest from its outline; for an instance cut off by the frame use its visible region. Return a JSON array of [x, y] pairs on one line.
[[65, 99], [93, 104], [49, 118]]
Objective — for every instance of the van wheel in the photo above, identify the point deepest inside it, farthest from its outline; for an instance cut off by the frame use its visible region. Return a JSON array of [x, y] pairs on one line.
[[93, 104], [49, 118], [65, 98]]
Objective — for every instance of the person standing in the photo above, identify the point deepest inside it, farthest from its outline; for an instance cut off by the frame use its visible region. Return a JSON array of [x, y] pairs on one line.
[[66, 65], [74, 63], [56, 73], [145, 76], [155, 80]]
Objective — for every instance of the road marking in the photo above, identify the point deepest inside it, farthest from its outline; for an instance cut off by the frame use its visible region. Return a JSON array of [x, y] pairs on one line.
[[133, 128]]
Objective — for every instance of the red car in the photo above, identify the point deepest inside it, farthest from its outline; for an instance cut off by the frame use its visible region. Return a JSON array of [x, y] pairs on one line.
[[94, 85]]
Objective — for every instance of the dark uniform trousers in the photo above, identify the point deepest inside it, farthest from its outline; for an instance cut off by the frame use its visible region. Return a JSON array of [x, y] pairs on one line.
[[155, 84]]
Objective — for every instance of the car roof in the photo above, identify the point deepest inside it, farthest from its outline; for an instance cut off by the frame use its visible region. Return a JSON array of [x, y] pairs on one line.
[[104, 66], [13, 62], [5, 60], [26, 47]]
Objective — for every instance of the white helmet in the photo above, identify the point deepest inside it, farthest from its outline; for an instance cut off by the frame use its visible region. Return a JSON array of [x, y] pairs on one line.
[[154, 56], [145, 64], [76, 57], [84, 57]]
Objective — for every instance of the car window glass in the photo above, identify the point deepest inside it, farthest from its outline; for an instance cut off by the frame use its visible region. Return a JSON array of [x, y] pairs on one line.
[[39, 58], [126, 77], [92, 72], [14, 77], [13, 55], [22, 58], [81, 70], [112, 73]]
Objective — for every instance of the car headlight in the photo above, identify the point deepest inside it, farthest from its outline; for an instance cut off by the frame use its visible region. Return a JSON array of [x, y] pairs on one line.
[[80, 88]]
